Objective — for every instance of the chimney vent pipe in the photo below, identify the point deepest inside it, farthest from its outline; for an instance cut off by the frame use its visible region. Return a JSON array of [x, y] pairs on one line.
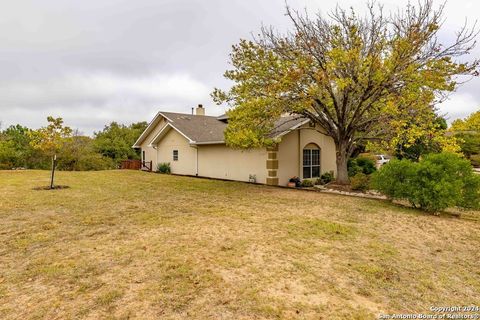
[[200, 111]]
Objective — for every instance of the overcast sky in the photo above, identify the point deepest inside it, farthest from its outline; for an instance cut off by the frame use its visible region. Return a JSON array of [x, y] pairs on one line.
[[93, 62]]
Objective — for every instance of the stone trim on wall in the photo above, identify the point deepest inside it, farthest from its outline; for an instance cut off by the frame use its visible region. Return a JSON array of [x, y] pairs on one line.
[[272, 166], [272, 173], [272, 155], [272, 181]]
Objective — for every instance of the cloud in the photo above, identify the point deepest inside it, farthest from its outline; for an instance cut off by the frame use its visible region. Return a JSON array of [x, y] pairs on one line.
[[104, 87], [459, 105], [91, 100], [93, 62]]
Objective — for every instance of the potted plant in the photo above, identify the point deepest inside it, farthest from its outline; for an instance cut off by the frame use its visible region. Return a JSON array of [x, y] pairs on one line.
[[294, 182]]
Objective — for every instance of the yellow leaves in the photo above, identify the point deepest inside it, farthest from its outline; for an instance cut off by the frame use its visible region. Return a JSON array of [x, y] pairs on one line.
[[459, 125], [448, 144], [343, 83], [471, 123], [413, 124], [432, 27], [50, 138], [219, 96], [365, 71], [251, 122]]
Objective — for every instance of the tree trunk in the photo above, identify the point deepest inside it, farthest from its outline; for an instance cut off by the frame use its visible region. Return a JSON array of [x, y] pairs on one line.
[[54, 163], [342, 169]]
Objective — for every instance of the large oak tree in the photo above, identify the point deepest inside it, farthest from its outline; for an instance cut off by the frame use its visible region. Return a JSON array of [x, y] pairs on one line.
[[343, 71]]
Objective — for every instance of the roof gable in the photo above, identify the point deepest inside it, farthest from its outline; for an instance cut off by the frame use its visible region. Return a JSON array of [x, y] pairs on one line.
[[199, 129], [163, 132], [148, 130]]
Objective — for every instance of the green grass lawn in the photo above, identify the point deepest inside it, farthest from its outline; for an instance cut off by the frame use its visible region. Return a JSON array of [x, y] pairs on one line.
[[127, 244]]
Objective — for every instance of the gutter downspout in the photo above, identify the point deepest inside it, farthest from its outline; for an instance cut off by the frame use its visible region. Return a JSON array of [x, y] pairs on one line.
[[299, 155], [196, 160], [156, 157]]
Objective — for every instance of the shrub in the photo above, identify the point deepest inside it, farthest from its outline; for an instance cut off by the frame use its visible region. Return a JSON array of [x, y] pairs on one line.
[[394, 178], [84, 161], [475, 160], [361, 165], [94, 162], [470, 192], [164, 167], [369, 156], [367, 165], [360, 182], [6, 165], [307, 183], [435, 183], [469, 143], [325, 178], [446, 180]]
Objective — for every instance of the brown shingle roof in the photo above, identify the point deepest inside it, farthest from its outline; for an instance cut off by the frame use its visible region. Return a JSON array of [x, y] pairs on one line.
[[200, 129], [285, 124], [206, 129]]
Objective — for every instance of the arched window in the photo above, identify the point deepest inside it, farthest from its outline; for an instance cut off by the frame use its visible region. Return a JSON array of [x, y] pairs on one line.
[[311, 161]]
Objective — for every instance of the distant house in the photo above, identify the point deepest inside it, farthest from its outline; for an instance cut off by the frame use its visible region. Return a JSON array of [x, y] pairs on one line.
[[194, 145]]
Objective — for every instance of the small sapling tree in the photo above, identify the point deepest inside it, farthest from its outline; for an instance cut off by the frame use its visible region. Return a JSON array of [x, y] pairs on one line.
[[49, 140]]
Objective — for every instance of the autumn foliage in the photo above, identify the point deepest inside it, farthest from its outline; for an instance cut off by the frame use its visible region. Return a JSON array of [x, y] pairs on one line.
[[362, 78]]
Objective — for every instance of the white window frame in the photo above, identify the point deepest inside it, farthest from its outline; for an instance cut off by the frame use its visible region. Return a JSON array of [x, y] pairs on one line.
[[175, 155], [310, 161]]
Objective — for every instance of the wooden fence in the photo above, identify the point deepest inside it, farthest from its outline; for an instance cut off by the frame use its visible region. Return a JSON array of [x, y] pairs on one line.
[[136, 165]]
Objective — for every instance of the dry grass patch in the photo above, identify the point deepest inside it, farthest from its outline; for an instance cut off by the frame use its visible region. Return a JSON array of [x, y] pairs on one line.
[[125, 244]]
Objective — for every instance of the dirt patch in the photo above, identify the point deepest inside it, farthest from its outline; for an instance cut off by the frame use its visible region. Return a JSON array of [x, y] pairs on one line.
[[48, 188]]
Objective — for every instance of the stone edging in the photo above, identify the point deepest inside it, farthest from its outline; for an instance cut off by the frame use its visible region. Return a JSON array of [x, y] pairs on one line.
[[352, 194]]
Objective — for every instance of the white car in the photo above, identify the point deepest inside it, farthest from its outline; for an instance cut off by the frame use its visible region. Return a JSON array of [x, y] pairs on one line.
[[382, 159]]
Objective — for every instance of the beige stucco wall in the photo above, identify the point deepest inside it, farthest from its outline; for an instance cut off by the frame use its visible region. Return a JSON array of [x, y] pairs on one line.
[[219, 161], [222, 162], [290, 152], [173, 140], [150, 152], [288, 165]]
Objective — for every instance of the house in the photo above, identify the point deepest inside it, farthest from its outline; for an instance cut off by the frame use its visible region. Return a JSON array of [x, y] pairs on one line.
[[194, 145]]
